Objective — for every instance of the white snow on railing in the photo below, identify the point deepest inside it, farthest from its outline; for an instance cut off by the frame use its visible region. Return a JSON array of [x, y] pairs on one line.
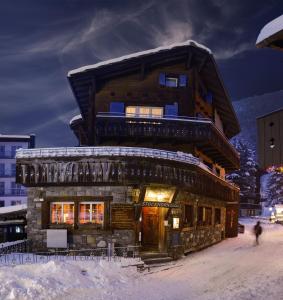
[[178, 156]]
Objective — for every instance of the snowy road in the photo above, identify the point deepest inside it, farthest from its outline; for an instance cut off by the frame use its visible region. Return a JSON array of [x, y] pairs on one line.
[[233, 269]]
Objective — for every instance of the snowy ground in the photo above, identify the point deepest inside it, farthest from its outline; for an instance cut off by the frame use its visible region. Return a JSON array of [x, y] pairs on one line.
[[233, 269]]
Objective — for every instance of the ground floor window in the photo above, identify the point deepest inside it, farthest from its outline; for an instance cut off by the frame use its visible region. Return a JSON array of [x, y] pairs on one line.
[[189, 215], [204, 216], [217, 216], [91, 213], [62, 212]]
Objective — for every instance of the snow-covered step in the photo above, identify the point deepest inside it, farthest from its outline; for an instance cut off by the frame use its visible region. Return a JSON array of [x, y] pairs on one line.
[[157, 260]]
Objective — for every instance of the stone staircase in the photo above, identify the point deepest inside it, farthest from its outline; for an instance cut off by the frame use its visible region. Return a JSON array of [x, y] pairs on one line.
[[154, 258]]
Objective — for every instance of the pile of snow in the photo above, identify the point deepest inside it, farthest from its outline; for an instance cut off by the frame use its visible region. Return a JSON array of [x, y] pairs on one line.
[[232, 269]]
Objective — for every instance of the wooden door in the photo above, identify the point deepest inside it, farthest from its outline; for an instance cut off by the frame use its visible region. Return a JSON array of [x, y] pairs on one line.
[[150, 227]]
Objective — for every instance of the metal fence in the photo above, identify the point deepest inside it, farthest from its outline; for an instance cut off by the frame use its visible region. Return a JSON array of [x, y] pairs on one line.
[[21, 254]]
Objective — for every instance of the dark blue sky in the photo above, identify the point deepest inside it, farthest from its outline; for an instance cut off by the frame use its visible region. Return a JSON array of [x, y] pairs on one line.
[[41, 40]]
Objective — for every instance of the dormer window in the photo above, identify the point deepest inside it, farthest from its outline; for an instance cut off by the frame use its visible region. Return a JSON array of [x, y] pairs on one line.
[[172, 80]]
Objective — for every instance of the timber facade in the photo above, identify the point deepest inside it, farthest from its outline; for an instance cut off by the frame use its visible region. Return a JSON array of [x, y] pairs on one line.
[[154, 150]]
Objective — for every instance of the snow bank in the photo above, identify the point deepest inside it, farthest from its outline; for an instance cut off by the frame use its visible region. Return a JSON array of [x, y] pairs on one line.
[[270, 29], [63, 280], [232, 269]]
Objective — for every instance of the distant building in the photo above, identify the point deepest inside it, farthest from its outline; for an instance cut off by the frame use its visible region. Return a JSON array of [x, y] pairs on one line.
[[270, 141], [13, 223], [10, 192]]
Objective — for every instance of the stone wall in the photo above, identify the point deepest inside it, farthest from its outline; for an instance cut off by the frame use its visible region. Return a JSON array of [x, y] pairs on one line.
[[81, 238]]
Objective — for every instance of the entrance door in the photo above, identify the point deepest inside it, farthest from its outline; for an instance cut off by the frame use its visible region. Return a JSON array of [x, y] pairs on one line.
[[150, 228]]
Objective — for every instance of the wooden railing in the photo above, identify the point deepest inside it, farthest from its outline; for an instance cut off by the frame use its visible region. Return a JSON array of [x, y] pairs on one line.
[[184, 130]]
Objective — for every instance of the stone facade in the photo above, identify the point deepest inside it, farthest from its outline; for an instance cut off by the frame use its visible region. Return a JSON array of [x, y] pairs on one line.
[[80, 238]]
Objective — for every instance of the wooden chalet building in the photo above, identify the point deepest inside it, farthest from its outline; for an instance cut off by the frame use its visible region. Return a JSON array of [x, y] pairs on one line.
[[154, 133]]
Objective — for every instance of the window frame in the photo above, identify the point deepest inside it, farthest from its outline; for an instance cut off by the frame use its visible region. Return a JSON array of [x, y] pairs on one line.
[[217, 209], [189, 223], [91, 204], [62, 212]]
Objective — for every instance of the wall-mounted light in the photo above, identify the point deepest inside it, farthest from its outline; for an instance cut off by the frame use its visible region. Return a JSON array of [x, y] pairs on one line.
[[272, 144], [176, 223]]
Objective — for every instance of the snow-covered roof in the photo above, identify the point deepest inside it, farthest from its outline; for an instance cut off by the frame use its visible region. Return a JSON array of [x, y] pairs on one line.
[[270, 29], [75, 118], [13, 136], [138, 54], [13, 208]]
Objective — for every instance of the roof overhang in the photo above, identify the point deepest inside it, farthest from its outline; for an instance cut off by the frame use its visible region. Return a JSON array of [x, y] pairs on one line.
[[271, 35]]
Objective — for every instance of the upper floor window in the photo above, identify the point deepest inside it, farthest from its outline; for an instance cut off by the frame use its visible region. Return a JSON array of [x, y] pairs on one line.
[[2, 150], [144, 111], [2, 169], [173, 80]]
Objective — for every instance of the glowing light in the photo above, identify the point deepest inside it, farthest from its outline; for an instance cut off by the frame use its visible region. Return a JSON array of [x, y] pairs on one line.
[[176, 223]]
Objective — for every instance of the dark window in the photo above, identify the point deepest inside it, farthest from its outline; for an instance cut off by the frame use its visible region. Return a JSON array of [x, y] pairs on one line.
[[13, 169], [208, 97], [189, 215], [183, 80], [200, 215], [172, 80], [2, 150], [2, 203], [117, 108], [162, 78], [217, 217], [204, 216], [171, 110], [2, 188], [2, 169]]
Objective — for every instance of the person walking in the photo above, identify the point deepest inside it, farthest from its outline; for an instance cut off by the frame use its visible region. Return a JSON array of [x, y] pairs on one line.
[[257, 231]]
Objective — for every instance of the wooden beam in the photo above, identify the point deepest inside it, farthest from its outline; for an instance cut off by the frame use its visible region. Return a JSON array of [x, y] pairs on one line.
[[202, 63], [189, 60], [142, 74]]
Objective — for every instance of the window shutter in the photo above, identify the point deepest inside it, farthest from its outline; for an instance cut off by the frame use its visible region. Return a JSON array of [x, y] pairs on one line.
[[117, 108], [208, 97], [162, 79], [183, 80], [171, 110]]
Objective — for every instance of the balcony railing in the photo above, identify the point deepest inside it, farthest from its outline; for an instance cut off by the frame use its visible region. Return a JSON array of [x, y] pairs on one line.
[[200, 131]]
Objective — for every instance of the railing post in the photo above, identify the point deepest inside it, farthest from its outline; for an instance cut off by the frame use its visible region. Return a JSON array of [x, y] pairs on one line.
[[109, 250]]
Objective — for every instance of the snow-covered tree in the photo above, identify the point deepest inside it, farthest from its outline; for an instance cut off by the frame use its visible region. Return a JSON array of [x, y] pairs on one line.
[[275, 189], [247, 178]]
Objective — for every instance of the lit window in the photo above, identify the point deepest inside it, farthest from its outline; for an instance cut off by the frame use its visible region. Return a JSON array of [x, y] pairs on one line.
[[144, 111], [176, 223], [62, 212], [91, 213]]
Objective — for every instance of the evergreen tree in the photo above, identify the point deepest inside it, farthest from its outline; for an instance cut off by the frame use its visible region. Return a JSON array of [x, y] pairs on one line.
[[275, 189], [247, 177]]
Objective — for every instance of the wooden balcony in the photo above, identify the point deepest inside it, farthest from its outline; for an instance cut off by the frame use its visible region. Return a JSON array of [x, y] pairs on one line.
[[120, 166], [201, 133]]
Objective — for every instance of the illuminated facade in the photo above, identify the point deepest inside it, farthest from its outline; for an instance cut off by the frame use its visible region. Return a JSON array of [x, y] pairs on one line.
[[153, 131]]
